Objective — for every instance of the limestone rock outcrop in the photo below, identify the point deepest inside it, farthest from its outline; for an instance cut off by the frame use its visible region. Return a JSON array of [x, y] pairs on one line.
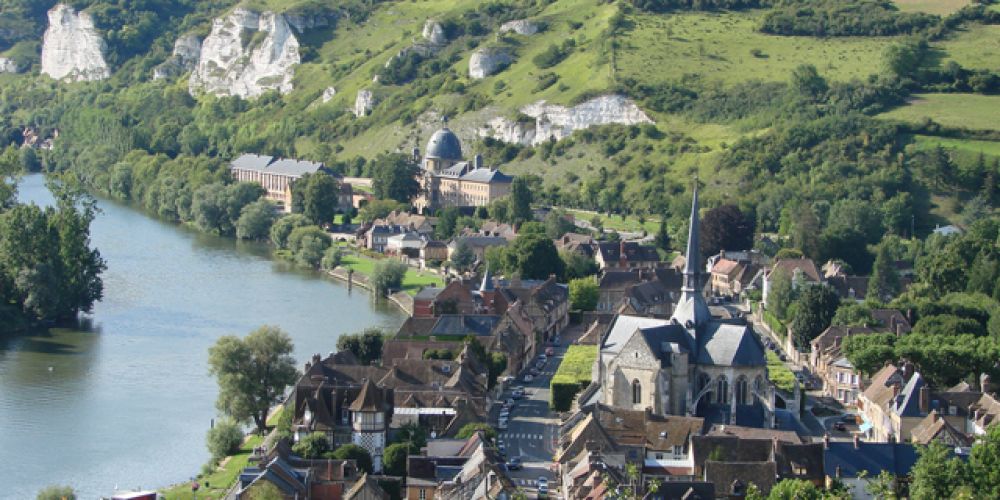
[[246, 54], [519, 26], [72, 49], [187, 50], [487, 61], [364, 103], [434, 33], [8, 65], [328, 94], [558, 122]]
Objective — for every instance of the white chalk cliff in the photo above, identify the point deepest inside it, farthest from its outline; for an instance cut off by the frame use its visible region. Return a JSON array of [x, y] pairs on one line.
[[434, 33], [72, 49], [519, 26], [364, 103], [554, 121], [246, 54], [487, 61], [7, 65], [187, 50]]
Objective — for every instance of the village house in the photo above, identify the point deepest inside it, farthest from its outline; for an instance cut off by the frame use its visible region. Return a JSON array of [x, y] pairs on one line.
[[855, 463], [544, 303], [296, 477], [360, 404], [439, 470], [276, 175], [841, 380], [625, 255], [730, 278], [377, 236], [800, 271], [478, 245], [733, 459], [405, 244], [643, 291], [433, 253], [894, 403], [453, 298]]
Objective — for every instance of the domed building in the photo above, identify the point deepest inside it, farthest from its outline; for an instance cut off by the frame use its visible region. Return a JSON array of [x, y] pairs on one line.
[[447, 180]]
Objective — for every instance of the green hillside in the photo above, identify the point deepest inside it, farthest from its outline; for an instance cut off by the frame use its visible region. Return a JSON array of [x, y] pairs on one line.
[[772, 112]]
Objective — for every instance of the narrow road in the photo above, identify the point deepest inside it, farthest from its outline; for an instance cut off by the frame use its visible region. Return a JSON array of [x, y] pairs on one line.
[[533, 430]]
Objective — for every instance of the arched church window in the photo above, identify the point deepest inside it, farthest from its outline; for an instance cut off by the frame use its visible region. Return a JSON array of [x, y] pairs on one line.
[[741, 391], [758, 384], [722, 390], [636, 392], [703, 381]]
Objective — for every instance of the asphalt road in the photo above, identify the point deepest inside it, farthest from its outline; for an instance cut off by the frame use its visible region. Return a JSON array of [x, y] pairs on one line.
[[533, 430]]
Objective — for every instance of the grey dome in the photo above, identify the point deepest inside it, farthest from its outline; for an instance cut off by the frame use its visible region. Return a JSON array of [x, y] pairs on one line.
[[444, 144]]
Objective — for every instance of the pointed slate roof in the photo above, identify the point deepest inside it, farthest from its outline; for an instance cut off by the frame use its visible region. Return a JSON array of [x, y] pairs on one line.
[[371, 398], [724, 344], [691, 310]]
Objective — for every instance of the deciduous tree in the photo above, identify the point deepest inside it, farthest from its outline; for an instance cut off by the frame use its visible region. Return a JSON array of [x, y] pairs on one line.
[[724, 228], [252, 373], [583, 293], [815, 308]]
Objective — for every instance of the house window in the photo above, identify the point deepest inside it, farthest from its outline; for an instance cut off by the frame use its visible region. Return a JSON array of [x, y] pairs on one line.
[[678, 450], [423, 494], [636, 392], [659, 456], [723, 390]]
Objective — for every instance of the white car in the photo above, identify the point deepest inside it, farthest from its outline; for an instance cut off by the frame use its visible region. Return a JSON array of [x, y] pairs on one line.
[[543, 487], [504, 415], [528, 377], [502, 424]]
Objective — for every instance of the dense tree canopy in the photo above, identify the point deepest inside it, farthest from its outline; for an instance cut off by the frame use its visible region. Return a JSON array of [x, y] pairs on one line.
[[252, 373], [725, 228]]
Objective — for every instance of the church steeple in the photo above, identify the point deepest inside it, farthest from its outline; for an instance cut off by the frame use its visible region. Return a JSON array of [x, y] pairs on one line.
[[691, 310], [692, 260]]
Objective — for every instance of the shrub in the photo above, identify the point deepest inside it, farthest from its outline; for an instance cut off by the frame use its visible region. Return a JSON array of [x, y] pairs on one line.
[[468, 430], [394, 459], [332, 258], [224, 439], [387, 275], [312, 446], [357, 453], [56, 493], [573, 375]]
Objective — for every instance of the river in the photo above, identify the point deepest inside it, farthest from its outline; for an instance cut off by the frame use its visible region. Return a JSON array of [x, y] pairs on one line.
[[124, 398]]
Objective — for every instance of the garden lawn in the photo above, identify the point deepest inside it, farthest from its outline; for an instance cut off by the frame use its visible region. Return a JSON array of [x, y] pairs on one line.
[[412, 282], [972, 111], [778, 372], [629, 223], [576, 365], [218, 482]]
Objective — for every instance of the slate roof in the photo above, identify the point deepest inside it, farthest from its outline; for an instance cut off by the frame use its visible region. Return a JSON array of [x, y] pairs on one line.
[[487, 175], [908, 400], [444, 144], [634, 252], [724, 344], [371, 399], [744, 432], [873, 458], [933, 426], [789, 266], [252, 162], [462, 325], [790, 457], [879, 391], [280, 166]]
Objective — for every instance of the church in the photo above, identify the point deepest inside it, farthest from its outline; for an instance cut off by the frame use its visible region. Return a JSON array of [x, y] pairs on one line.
[[691, 364], [449, 181]]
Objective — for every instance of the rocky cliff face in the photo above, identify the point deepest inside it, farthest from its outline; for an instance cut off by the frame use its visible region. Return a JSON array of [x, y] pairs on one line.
[[364, 103], [487, 61], [520, 26], [7, 65], [553, 121], [434, 33], [247, 54], [72, 49], [187, 49]]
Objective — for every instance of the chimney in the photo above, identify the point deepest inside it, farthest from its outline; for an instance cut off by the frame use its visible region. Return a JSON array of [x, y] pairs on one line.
[[837, 472], [895, 389], [985, 383], [477, 162], [622, 258], [826, 441], [857, 441], [316, 358], [925, 399], [899, 329], [722, 254], [308, 366], [907, 371]]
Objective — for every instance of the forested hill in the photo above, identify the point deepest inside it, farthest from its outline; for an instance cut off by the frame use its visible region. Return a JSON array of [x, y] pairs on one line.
[[832, 121]]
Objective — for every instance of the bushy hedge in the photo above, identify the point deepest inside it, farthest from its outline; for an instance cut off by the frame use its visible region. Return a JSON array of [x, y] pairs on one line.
[[573, 375]]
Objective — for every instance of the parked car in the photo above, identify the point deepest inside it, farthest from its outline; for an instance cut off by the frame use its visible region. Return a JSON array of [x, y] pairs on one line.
[[534, 371], [518, 392], [528, 377], [514, 463], [502, 424], [550, 352], [543, 487], [504, 415]]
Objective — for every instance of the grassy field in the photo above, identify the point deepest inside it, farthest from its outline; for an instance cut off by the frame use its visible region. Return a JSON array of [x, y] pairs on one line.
[[717, 47], [974, 147], [939, 7], [972, 111], [629, 223], [215, 485], [576, 365], [975, 46], [779, 373], [412, 283]]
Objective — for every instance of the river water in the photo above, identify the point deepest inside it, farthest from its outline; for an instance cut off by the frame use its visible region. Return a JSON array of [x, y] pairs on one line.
[[124, 399]]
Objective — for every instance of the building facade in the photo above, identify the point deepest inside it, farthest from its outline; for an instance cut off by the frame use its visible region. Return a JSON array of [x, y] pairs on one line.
[[276, 176], [449, 181]]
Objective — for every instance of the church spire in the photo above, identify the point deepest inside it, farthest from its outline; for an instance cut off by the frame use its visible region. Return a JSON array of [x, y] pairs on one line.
[[692, 260]]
